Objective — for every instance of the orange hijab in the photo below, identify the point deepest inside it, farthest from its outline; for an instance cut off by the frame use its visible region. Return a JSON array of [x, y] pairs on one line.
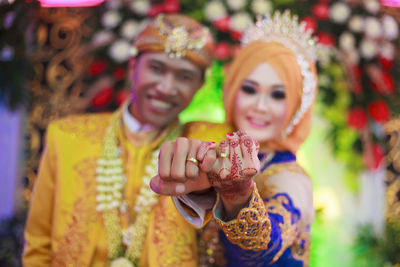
[[284, 62]]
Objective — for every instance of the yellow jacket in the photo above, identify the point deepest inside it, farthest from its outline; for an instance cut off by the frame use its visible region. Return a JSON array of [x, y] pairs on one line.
[[63, 226]]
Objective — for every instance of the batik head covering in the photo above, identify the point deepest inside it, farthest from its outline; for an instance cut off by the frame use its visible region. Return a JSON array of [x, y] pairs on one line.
[[290, 50], [179, 36]]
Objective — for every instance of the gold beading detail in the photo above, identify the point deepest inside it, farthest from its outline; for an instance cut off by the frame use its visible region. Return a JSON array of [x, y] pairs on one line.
[[252, 227], [178, 39], [301, 252], [289, 231]]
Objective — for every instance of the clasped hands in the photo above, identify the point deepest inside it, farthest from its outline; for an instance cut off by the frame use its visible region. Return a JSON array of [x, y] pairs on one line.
[[194, 166]]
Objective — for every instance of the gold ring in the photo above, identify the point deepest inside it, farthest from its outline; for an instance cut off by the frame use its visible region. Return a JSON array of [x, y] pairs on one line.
[[223, 155], [193, 160]]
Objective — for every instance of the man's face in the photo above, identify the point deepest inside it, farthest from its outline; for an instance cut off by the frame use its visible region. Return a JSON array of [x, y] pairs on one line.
[[162, 87]]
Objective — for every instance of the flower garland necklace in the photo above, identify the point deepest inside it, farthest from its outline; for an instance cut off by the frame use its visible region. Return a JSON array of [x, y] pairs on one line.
[[110, 184]]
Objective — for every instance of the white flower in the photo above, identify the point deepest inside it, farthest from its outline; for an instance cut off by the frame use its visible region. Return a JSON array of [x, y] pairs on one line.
[[356, 23], [373, 27], [236, 4], [102, 37], [130, 29], [120, 51], [113, 4], [390, 27], [111, 19], [387, 50], [240, 21], [340, 12], [372, 6], [347, 41], [140, 7], [368, 48], [214, 10], [261, 7], [353, 56]]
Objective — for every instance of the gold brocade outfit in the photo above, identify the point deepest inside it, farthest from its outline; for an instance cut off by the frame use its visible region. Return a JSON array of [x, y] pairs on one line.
[[65, 229]]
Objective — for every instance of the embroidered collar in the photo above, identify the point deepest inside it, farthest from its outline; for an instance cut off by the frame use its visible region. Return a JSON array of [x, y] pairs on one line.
[[279, 157]]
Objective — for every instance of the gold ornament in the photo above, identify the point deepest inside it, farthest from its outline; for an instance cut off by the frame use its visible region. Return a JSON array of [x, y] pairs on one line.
[[178, 39]]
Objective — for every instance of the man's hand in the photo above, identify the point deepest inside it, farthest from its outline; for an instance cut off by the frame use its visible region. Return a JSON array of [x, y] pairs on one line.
[[183, 166]]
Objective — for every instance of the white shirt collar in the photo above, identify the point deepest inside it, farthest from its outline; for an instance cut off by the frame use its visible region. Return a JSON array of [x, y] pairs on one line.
[[132, 123]]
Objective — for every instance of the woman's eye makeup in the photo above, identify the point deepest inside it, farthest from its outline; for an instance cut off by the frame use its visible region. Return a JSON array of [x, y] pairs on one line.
[[278, 94], [248, 89]]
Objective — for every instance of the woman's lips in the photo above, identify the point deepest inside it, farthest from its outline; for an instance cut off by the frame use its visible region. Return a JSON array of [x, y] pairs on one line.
[[257, 123]]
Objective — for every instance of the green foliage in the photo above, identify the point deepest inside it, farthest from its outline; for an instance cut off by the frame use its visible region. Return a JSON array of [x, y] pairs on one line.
[[375, 251]]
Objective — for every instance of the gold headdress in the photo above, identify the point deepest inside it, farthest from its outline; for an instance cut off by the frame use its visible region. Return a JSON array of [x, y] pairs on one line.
[[287, 31], [179, 36]]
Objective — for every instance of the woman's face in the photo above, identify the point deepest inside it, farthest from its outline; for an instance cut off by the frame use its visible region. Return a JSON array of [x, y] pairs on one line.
[[260, 106]]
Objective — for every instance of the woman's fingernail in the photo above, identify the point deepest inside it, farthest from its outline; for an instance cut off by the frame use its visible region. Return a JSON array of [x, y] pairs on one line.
[[180, 188]]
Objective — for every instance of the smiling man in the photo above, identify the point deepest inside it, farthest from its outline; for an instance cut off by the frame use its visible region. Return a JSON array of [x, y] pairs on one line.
[[92, 205]]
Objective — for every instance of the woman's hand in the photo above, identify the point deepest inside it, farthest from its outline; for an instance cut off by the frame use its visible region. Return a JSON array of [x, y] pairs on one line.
[[237, 163]]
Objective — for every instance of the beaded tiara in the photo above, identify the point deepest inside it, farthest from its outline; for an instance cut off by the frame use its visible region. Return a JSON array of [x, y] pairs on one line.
[[286, 30]]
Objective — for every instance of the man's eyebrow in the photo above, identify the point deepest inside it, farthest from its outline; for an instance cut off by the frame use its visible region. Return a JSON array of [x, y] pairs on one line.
[[186, 71], [189, 72], [152, 60]]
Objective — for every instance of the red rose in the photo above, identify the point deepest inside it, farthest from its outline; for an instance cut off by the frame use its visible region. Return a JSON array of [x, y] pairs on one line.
[[155, 10], [235, 35], [357, 118], [375, 159], [356, 73], [222, 24], [321, 11], [122, 96], [222, 51], [119, 73], [326, 39], [385, 62], [103, 98], [379, 111], [384, 85], [311, 23], [171, 6], [97, 67]]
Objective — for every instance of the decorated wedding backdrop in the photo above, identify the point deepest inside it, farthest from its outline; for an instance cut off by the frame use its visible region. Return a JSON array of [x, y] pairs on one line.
[[57, 61]]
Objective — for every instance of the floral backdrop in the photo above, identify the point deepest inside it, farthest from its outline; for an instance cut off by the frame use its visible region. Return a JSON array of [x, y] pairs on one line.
[[359, 72]]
